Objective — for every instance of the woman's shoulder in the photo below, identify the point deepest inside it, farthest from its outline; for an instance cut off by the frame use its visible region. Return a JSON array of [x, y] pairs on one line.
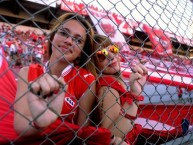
[[107, 80], [31, 66], [24, 70], [23, 73], [83, 72], [31, 72], [110, 81]]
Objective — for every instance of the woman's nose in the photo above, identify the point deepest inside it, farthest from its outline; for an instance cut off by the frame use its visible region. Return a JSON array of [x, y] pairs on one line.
[[111, 56], [69, 40]]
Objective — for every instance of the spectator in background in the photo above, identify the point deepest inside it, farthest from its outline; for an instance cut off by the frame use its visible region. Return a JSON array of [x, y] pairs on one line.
[[38, 52], [25, 55], [117, 105], [13, 51]]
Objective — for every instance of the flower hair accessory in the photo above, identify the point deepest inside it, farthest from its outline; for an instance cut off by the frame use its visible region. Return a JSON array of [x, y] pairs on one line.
[[103, 54], [114, 48]]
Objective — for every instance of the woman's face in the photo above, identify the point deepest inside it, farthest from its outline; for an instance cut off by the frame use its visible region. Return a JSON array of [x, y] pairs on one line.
[[107, 60], [69, 40]]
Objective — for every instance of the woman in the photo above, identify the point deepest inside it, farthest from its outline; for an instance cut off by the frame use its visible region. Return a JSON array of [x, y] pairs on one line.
[[117, 106], [40, 106]]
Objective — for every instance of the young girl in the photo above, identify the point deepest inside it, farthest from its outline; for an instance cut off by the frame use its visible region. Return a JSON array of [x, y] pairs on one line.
[[117, 105]]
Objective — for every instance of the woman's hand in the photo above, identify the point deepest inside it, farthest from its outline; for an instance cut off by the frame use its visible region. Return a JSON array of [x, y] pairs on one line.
[[138, 78], [45, 99], [118, 141]]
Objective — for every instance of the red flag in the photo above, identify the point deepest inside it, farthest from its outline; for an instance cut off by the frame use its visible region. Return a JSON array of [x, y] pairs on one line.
[[162, 123], [73, 6], [7, 96], [160, 41], [62, 132]]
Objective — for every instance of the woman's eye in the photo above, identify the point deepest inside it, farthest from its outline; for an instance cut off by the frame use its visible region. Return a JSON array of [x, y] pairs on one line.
[[63, 33], [78, 40]]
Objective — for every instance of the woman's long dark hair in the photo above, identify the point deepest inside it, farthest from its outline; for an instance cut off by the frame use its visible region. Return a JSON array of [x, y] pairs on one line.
[[85, 59]]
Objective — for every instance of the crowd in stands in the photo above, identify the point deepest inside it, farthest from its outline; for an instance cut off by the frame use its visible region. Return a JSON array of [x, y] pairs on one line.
[[22, 47]]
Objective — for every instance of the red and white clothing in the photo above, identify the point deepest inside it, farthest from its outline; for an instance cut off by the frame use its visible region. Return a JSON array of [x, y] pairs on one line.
[[64, 125], [125, 96], [168, 129], [72, 76], [62, 131], [7, 96]]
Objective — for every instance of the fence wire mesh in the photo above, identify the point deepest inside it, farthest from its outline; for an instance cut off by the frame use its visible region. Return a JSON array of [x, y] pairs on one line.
[[158, 31]]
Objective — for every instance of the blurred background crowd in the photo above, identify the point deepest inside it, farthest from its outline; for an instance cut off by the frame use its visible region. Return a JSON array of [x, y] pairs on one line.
[[22, 48]]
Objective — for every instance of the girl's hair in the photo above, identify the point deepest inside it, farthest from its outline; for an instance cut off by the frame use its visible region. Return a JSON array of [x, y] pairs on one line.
[[101, 41], [85, 60]]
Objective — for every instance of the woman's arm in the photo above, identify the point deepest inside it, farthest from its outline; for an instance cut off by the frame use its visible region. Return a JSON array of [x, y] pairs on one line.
[[35, 112], [86, 105], [110, 108], [22, 114], [138, 78]]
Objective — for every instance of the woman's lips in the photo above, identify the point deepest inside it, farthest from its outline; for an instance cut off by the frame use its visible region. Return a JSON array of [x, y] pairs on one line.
[[64, 49], [113, 64]]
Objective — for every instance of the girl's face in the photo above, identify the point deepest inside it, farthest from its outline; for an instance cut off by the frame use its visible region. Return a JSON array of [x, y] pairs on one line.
[[69, 41], [107, 60]]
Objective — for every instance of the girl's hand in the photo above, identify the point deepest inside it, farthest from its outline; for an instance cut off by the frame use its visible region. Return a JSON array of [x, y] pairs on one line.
[[46, 99], [138, 78], [118, 141]]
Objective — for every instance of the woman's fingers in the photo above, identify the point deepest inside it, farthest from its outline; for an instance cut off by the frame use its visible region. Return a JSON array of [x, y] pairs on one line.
[[143, 61], [46, 85], [138, 77], [141, 69], [119, 141], [34, 87], [139, 72], [62, 83]]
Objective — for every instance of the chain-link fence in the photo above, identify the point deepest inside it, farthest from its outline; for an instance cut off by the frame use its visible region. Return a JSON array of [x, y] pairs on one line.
[[52, 68]]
